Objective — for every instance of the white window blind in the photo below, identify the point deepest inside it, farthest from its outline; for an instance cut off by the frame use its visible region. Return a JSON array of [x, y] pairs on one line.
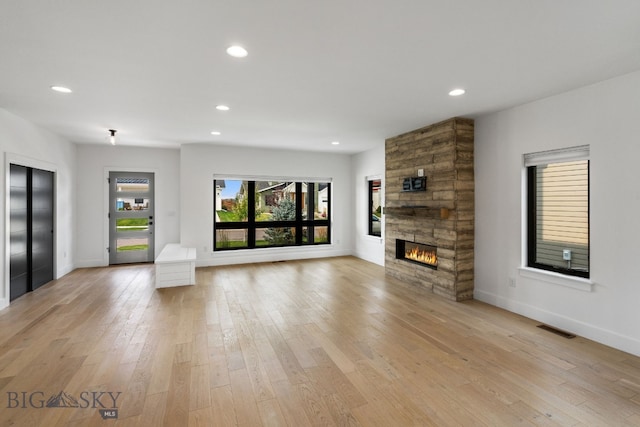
[[553, 156]]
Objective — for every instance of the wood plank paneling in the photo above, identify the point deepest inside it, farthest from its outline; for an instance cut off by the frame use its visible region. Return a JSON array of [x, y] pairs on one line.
[[444, 151]]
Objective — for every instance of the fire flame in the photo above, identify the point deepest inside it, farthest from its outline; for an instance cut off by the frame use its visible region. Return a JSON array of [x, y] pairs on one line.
[[422, 255]]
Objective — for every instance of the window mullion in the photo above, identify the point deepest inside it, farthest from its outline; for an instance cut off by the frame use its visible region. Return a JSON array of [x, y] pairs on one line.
[[329, 212], [531, 215], [299, 206], [251, 214]]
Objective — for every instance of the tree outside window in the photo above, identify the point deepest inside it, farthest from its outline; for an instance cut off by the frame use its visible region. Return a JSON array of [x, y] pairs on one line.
[[251, 214]]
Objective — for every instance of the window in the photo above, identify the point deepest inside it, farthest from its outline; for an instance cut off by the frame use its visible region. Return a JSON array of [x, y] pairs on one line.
[[256, 214], [558, 211], [375, 208]]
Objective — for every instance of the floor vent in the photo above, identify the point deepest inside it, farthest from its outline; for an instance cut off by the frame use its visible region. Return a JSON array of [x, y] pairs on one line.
[[564, 334]]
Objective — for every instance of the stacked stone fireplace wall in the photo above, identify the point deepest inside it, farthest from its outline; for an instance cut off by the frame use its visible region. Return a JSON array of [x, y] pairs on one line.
[[441, 216]]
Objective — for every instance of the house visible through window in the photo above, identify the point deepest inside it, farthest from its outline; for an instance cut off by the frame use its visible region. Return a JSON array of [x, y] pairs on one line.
[[375, 208], [252, 214], [558, 211]]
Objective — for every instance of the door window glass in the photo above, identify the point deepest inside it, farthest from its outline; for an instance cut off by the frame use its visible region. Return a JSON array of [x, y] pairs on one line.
[[132, 185]]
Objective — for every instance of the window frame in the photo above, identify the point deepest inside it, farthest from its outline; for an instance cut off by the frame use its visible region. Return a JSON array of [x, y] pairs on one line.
[[532, 161], [299, 223]]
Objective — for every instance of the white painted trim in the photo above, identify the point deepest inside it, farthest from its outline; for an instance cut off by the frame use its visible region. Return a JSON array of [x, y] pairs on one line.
[[270, 178], [66, 270], [105, 222], [554, 156], [554, 278], [573, 282], [366, 255], [524, 252], [290, 253], [586, 330], [91, 263]]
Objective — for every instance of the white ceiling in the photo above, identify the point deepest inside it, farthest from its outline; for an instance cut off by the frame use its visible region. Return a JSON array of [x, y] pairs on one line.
[[356, 71]]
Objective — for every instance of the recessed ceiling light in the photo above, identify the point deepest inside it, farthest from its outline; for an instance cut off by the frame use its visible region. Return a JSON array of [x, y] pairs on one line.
[[237, 51], [222, 108], [215, 132], [61, 89], [457, 92], [335, 142]]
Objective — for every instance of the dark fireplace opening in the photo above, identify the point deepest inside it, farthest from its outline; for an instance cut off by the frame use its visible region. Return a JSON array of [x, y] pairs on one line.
[[418, 253]]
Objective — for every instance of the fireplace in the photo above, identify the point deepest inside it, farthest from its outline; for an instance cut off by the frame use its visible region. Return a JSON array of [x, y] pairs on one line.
[[418, 253], [442, 215]]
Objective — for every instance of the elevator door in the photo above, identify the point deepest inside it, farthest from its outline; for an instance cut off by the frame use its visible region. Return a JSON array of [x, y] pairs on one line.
[[31, 204]]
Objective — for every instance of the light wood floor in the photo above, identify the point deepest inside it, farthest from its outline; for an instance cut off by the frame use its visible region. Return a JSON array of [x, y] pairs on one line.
[[318, 342]]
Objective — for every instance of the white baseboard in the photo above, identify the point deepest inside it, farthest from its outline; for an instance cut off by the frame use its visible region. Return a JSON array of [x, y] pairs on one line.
[[65, 270], [270, 255], [374, 260], [90, 263], [583, 329]]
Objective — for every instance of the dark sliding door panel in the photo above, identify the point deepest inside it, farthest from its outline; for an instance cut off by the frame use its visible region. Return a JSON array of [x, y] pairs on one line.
[[41, 228], [18, 262], [31, 229]]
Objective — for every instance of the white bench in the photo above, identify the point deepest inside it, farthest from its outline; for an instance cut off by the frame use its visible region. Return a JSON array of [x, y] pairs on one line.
[[175, 266]]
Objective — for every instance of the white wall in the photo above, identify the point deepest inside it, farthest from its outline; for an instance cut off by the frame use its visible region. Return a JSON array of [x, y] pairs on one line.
[[607, 117], [200, 162], [367, 165], [24, 143], [94, 163]]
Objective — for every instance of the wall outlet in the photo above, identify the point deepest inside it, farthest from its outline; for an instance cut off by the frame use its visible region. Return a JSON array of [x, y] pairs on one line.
[[420, 172], [512, 282], [566, 254]]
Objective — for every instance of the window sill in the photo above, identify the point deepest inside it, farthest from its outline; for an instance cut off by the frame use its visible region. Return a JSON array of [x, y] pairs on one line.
[[578, 283]]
